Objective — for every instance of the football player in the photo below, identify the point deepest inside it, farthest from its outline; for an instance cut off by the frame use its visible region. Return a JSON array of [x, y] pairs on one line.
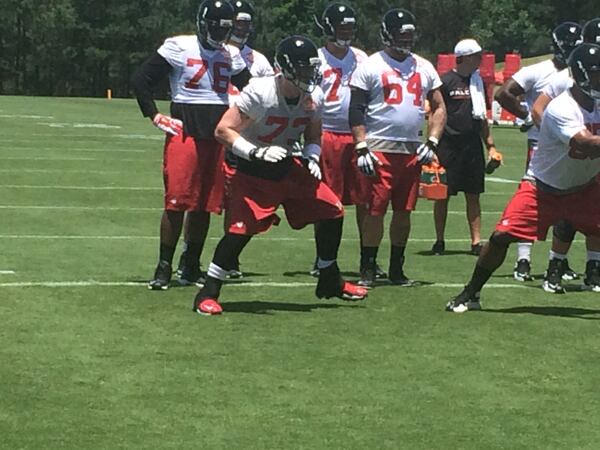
[[530, 82], [200, 68], [386, 115], [563, 233], [259, 66], [338, 60], [562, 80], [562, 184], [269, 117]]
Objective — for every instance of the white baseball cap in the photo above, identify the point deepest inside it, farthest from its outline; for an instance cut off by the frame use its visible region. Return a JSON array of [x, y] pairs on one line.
[[467, 47]]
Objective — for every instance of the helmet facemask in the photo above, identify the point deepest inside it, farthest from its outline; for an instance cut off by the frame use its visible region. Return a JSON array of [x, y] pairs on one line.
[[305, 77], [344, 32], [242, 28], [402, 39]]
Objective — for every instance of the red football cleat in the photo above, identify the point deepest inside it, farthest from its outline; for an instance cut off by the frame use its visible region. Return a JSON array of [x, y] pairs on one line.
[[352, 291], [207, 307]]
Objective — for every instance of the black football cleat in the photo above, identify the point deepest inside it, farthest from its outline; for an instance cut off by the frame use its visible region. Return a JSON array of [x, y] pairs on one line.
[[591, 281], [553, 276], [464, 302], [522, 270], [162, 277], [439, 247]]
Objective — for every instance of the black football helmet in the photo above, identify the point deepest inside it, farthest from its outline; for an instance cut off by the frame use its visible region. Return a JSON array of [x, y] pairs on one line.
[[242, 22], [565, 37], [338, 24], [297, 59], [584, 64], [591, 31], [398, 30], [214, 22]]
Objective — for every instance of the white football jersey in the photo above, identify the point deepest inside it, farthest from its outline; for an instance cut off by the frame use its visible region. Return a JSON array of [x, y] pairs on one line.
[[275, 121], [559, 83], [533, 79], [554, 162], [257, 64], [397, 92], [336, 87], [199, 75]]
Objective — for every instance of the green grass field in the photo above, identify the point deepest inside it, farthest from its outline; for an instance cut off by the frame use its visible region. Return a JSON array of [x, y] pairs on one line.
[[89, 358]]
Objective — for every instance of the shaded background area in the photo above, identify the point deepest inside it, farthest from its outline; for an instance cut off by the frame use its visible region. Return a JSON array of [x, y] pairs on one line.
[[83, 48]]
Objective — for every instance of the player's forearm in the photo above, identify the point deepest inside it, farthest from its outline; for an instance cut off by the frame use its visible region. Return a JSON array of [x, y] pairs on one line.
[[226, 135], [356, 114], [437, 121], [145, 80], [511, 103], [359, 133], [586, 146]]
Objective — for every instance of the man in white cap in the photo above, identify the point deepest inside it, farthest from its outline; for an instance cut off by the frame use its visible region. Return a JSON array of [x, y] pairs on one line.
[[460, 150]]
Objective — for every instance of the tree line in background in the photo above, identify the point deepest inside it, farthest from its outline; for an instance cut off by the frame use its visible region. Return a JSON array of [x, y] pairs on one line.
[[84, 47]]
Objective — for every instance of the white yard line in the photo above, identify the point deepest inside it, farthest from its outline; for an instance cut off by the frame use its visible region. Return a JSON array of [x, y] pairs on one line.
[[502, 180], [229, 285], [75, 171], [45, 158], [7, 272], [80, 149]]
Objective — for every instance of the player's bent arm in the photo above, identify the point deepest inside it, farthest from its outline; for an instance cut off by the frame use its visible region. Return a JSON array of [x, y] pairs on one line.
[[537, 111], [231, 124], [438, 115], [507, 97], [585, 145], [145, 79]]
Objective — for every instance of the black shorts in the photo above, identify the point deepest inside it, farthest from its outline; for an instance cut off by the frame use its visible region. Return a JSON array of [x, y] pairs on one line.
[[464, 162]]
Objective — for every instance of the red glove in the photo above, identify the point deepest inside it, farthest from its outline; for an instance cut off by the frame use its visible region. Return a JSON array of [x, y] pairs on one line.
[[168, 124]]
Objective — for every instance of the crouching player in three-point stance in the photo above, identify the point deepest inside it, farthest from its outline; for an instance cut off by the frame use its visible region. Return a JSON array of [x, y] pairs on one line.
[[564, 184], [269, 116]]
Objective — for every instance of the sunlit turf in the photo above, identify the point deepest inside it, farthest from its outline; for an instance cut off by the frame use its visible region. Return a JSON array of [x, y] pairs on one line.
[[114, 365]]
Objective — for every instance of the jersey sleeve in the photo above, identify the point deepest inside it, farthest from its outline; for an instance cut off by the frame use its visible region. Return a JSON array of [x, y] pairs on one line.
[[237, 62], [525, 78], [564, 119], [558, 84], [250, 100], [360, 77], [172, 51], [433, 76], [261, 66]]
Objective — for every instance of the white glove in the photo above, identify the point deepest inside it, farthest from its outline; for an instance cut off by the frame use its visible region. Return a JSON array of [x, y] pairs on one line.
[[367, 161], [168, 124], [312, 164], [426, 152], [272, 154]]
